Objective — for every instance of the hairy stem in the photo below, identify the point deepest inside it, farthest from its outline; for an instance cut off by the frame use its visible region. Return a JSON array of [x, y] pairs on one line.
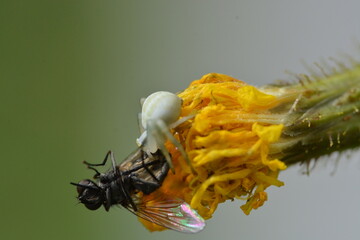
[[321, 116]]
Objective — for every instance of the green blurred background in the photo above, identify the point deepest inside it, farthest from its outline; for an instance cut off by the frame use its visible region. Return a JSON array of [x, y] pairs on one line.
[[71, 76]]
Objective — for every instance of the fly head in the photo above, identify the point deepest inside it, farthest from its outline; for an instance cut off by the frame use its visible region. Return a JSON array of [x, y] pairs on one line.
[[90, 194]]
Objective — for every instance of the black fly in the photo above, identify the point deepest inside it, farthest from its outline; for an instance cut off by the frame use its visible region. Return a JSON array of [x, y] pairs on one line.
[[138, 173]]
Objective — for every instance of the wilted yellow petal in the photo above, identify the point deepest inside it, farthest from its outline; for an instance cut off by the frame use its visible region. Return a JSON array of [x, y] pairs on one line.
[[252, 99]]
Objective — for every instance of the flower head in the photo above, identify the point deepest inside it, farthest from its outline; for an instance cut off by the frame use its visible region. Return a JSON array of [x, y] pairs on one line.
[[228, 145]]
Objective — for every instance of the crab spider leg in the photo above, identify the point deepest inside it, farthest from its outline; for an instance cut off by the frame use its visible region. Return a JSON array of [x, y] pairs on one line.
[[143, 140], [165, 130], [167, 156], [155, 135], [181, 121], [142, 100], [141, 128], [140, 141]]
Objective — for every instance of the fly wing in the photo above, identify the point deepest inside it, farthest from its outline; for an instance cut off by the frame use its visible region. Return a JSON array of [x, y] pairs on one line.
[[155, 171], [132, 160], [172, 213], [145, 170]]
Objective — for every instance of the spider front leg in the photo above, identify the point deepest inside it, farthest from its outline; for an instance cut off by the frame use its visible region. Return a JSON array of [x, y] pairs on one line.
[[141, 128], [161, 126], [155, 140], [151, 140], [158, 132]]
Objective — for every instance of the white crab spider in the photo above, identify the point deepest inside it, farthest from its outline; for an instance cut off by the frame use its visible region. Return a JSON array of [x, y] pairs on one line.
[[160, 113]]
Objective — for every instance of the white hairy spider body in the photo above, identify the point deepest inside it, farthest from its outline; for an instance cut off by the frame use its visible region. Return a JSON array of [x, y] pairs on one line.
[[160, 113], [161, 105]]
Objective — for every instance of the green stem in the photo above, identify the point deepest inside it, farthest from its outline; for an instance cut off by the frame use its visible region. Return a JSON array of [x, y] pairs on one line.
[[322, 117]]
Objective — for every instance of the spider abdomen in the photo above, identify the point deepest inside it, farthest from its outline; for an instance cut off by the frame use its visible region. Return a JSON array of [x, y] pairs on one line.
[[161, 105]]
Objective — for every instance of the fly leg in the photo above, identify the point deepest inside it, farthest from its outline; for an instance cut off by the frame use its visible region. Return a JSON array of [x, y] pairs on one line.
[[99, 164], [150, 172], [113, 161], [92, 165]]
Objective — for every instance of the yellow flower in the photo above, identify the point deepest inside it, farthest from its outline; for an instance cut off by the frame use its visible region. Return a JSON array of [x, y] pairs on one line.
[[228, 145], [241, 137]]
